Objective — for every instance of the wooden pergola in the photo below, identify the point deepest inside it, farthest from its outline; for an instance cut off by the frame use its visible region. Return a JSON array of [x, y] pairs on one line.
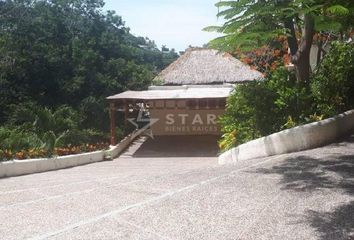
[[193, 97]]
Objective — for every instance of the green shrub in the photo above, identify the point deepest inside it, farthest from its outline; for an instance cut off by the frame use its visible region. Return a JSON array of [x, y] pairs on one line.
[[16, 140], [246, 109], [333, 85], [260, 108], [33, 129], [94, 114], [78, 137]]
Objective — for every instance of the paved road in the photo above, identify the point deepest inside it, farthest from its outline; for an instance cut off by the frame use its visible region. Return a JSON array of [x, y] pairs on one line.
[[307, 195]]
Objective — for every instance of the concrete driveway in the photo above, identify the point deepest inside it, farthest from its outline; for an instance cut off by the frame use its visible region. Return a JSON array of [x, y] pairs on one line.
[[307, 195]]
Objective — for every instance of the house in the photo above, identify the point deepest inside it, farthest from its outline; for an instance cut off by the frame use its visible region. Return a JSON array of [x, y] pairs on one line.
[[188, 96]]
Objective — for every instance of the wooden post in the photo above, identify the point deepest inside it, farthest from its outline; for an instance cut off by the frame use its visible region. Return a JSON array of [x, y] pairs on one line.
[[112, 114], [126, 115]]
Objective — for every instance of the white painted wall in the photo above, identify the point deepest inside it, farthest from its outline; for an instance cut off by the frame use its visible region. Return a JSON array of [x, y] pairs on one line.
[[295, 139]]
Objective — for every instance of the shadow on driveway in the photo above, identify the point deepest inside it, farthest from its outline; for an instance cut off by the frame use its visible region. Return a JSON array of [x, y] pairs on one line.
[[331, 171], [337, 224], [179, 146], [303, 173]]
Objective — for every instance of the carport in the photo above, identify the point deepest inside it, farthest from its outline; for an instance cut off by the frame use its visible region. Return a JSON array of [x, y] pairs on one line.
[[172, 110], [184, 107]]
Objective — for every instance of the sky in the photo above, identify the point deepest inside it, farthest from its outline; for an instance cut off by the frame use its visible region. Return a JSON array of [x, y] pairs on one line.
[[174, 23]]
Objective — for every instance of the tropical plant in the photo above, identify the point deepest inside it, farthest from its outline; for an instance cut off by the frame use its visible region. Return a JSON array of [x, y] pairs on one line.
[[16, 139], [250, 24], [333, 85], [260, 108]]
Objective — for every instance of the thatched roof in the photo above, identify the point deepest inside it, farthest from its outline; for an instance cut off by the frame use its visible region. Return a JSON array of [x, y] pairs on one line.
[[180, 92], [206, 66]]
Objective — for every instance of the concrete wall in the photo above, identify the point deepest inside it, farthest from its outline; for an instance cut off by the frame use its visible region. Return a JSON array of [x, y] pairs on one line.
[[22, 167], [295, 139]]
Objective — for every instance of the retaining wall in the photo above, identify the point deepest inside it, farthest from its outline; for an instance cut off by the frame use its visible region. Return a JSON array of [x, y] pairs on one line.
[[300, 138], [21, 167]]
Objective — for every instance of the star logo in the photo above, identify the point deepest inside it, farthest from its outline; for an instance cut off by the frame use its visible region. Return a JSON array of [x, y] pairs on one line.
[[145, 129]]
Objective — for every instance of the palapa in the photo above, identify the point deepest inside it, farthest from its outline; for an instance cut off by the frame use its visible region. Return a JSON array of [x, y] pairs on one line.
[[207, 66]]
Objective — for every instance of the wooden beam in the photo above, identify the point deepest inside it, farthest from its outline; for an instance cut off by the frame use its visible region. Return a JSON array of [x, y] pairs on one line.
[[112, 115]]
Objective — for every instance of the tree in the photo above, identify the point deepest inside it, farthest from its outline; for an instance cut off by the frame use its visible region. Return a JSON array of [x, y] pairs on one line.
[[55, 52], [250, 23]]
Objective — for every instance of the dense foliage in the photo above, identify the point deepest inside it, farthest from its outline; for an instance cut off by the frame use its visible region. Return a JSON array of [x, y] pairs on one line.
[[59, 59], [251, 31], [249, 24], [333, 84], [260, 108]]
